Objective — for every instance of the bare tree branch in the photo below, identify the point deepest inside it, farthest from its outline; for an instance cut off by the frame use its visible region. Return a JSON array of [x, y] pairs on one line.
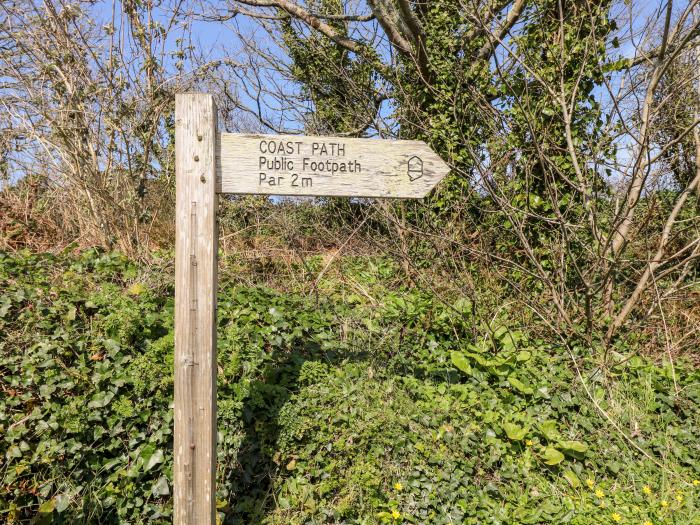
[[512, 17]]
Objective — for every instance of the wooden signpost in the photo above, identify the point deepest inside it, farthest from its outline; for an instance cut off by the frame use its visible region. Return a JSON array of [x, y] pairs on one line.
[[208, 163], [326, 166]]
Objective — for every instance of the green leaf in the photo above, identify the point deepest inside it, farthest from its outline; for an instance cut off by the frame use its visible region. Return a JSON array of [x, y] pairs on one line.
[[62, 502], [500, 332], [5, 304], [572, 479], [46, 390], [523, 356], [136, 289], [70, 314], [482, 360], [47, 507], [153, 460], [576, 446], [515, 432], [461, 362], [161, 487], [519, 385], [552, 456], [111, 346], [549, 429], [100, 400]]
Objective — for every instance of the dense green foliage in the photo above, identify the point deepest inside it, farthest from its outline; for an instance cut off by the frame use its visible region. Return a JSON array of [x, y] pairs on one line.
[[330, 77], [389, 407], [511, 358]]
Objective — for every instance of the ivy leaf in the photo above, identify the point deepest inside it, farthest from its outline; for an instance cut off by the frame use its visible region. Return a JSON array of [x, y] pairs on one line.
[[576, 446], [461, 362], [47, 507], [519, 385], [515, 432], [552, 456], [62, 502], [111, 346], [100, 400], [161, 487], [153, 460], [549, 429]]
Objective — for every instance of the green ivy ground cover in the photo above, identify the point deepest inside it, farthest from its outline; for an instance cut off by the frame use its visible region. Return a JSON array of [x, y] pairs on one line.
[[332, 409]]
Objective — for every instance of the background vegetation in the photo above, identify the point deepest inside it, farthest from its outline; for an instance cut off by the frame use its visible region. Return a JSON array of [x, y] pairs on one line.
[[336, 409], [520, 347]]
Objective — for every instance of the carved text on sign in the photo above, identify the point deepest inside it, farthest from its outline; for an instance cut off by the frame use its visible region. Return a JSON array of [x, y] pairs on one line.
[[332, 166], [273, 159]]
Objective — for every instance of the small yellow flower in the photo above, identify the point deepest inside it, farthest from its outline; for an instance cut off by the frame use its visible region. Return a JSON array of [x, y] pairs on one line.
[[528, 442], [602, 504], [696, 482], [616, 517], [647, 522], [646, 489], [395, 514], [590, 483], [599, 493], [398, 486], [679, 497], [664, 503]]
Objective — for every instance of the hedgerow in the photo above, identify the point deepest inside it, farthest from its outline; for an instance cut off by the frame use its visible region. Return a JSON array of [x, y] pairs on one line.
[[394, 407]]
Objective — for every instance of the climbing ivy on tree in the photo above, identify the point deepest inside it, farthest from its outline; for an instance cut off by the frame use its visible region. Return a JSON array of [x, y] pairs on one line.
[[340, 85]]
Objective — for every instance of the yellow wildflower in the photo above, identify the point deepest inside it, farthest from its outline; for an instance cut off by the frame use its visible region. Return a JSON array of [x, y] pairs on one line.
[[664, 503], [528, 442], [395, 514], [599, 493], [398, 486], [696, 482], [590, 483], [646, 489], [647, 522], [679, 497], [616, 517]]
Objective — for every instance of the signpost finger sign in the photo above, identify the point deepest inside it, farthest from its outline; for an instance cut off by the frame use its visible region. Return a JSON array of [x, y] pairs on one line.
[[208, 163], [326, 166]]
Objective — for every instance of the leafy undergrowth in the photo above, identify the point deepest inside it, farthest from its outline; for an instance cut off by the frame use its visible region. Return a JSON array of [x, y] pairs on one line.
[[332, 409]]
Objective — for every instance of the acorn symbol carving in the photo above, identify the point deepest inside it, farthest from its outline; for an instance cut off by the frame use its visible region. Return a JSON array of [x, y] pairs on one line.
[[415, 168]]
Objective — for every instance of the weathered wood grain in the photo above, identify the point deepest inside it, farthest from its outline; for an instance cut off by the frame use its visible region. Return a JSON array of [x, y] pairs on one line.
[[326, 166], [195, 310], [207, 163]]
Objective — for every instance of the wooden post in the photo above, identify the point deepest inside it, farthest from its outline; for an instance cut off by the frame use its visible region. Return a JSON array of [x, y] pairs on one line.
[[293, 165], [195, 310]]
